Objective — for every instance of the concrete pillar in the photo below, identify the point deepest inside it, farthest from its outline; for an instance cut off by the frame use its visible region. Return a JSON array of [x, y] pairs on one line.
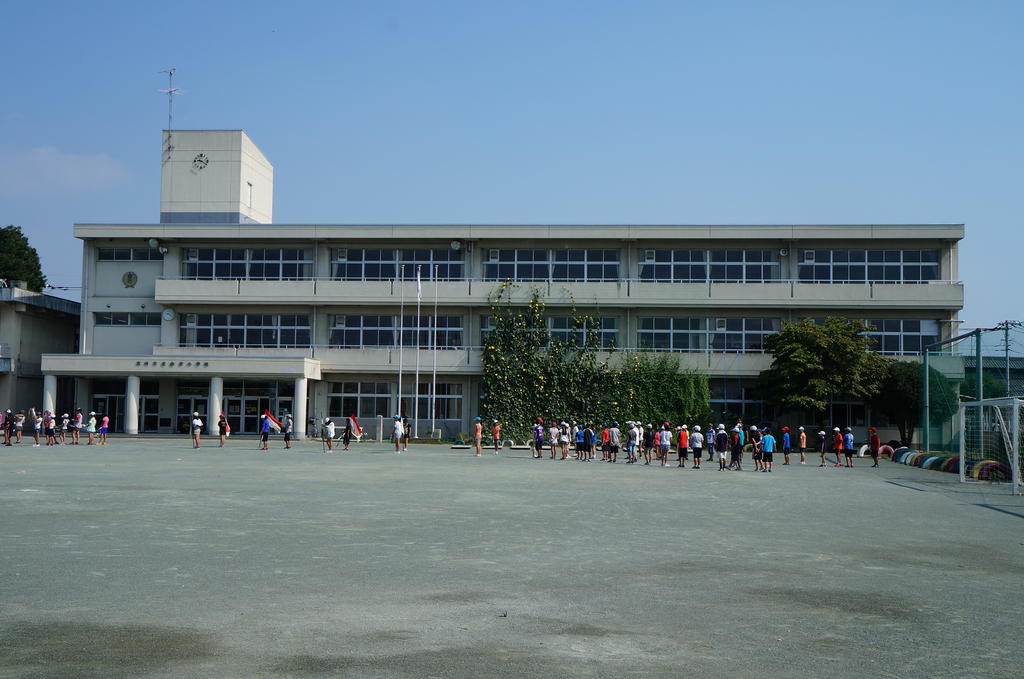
[[131, 405], [299, 408], [49, 392], [214, 408]]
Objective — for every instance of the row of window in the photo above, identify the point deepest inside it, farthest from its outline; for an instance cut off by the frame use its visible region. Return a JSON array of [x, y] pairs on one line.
[[129, 255], [862, 266], [692, 266], [133, 318], [660, 333], [367, 400], [244, 330]]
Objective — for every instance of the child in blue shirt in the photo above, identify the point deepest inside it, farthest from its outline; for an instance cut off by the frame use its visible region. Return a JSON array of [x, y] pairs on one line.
[[767, 450]]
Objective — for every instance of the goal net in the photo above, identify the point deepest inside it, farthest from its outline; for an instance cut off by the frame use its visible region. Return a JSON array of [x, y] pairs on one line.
[[991, 442]]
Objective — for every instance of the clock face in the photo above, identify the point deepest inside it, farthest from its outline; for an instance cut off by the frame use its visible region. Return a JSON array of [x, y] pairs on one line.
[[200, 161]]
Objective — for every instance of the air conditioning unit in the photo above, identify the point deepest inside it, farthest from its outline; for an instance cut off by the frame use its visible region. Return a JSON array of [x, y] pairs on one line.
[[648, 255], [720, 324], [808, 255], [492, 255]]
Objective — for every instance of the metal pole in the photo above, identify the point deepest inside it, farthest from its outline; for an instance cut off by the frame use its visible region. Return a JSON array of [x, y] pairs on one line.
[[963, 444], [926, 406], [1006, 354], [401, 329], [1015, 453], [433, 377], [977, 364], [416, 384]]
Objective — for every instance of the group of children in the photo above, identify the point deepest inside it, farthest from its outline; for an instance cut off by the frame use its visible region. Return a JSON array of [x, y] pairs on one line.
[[56, 430], [655, 444]]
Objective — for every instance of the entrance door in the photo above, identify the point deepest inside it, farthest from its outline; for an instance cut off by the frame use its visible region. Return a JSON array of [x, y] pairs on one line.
[[149, 412], [252, 408], [111, 405], [233, 411], [188, 405]]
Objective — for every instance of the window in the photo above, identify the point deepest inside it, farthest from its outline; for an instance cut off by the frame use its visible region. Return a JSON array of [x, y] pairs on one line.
[[447, 402], [563, 329], [449, 332], [672, 334], [868, 266], [521, 265], [743, 266], [741, 335], [901, 336], [365, 400], [273, 264], [244, 330], [351, 264], [128, 319], [357, 332], [673, 266], [585, 265], [732, 398], [129, 255]]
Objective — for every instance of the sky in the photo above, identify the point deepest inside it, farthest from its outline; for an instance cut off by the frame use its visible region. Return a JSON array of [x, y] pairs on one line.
[[524, 111]]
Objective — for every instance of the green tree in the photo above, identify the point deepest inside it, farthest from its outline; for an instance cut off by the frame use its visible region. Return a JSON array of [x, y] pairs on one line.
[[901, 396], [815, 364], [19, 261]]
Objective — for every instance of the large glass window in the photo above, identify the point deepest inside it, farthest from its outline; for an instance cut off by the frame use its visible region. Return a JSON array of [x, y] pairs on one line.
[[365, 400], [420, 332], [520, 265], [868, 266], [743, 266], [585, 265], [447, 402], [129, 255], [241, 263], [902, 336], [672, 334], [564, 329], [673, 266], [556, 265], [733, 398], [357, 332], [741, 335], [244, 330], [352, 264]]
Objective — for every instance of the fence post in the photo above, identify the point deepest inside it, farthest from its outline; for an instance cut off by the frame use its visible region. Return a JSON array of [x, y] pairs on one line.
[[927, 411]]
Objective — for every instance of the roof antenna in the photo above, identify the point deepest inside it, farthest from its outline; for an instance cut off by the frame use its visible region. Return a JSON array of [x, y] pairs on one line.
[[170, 92]]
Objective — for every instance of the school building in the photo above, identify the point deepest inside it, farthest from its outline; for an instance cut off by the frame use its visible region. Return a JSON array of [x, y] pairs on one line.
[[218, 308]]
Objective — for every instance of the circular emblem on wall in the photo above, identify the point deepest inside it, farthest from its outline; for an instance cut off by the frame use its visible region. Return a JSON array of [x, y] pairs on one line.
[[129, 279], [200, 161]]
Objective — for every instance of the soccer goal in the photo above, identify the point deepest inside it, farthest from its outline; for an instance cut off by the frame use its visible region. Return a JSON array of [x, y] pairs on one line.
[[991, 442]]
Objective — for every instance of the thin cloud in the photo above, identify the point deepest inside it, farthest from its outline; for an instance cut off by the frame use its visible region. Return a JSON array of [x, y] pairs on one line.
[[47, 170]]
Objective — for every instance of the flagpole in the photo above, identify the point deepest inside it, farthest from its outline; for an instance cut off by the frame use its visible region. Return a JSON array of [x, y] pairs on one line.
[[401, 328], [433, 377], [416, 385]]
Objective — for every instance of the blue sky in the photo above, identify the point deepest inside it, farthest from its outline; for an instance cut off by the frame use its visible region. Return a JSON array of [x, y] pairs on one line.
[[550, 112]]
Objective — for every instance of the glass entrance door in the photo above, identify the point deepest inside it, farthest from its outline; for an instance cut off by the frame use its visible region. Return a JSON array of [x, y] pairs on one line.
[[252, 408], [111, 405], [149, 412]]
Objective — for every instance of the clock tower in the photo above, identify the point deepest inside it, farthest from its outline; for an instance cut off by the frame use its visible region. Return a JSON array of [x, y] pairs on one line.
[[214, 177]]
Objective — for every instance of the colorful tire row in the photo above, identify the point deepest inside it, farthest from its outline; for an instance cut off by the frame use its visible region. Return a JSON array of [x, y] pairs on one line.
[[980, 470]]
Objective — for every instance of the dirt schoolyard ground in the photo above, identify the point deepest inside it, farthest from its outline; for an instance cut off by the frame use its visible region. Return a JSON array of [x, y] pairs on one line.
[[150, 559]]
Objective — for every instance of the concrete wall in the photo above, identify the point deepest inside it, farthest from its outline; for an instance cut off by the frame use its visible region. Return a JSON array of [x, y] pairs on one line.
[[233, 162]]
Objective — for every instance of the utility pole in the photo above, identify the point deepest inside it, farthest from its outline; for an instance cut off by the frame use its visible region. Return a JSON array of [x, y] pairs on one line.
[[1006, 325]]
